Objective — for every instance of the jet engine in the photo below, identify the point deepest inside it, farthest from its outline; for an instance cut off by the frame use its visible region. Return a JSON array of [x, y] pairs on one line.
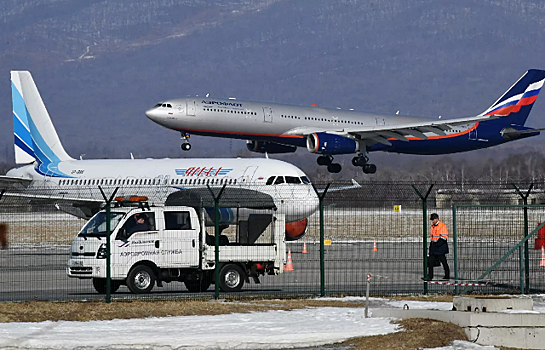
[[324, 143], [269, 147], [296, 230]]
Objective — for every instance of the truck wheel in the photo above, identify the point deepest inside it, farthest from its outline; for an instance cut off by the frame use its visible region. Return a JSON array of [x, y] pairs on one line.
[[198, 286], [100, 285], [141, 279], [231, 278]]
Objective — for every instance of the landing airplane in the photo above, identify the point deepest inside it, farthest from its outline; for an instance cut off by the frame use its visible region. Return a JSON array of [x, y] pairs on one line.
[[277, 128], [73, 184]]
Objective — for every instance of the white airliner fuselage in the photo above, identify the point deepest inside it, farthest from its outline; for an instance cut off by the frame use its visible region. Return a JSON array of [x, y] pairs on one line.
[[157, 178]]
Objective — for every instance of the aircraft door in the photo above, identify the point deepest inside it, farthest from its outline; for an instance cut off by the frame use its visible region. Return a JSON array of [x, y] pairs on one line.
[[473, 134], [380, 121], [190, 108], [248, 175], [267, 114]]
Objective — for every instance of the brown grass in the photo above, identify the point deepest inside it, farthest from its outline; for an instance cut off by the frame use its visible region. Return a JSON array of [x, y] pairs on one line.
[[431, 298], [418, 333], [99, 310]]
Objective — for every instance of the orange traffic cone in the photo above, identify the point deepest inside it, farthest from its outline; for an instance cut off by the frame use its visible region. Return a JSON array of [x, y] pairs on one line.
[[304, 248], [375, 246], [289, 264], [542, 262]]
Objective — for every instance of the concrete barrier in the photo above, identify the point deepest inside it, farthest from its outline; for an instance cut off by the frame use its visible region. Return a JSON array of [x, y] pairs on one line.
[[517, 330]]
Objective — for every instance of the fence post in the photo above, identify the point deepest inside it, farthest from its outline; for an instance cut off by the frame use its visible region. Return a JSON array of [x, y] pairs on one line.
[[322, 237], [455, 246], [108, 245], [424, 232], [526, 286], [217, 239], [367, 295]]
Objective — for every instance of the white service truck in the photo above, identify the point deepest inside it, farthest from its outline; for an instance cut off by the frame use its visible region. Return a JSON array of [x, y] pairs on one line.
[[156, 245]]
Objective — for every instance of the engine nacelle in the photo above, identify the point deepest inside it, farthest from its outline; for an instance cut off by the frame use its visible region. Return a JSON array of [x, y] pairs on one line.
[[324, 143], [296, 230], [269, 147]]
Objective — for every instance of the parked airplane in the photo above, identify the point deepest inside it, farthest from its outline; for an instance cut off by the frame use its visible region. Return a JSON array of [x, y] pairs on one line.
[[277, 128], [73, 184]]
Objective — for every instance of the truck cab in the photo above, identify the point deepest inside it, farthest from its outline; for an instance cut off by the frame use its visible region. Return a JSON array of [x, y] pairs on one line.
[[154, 245]]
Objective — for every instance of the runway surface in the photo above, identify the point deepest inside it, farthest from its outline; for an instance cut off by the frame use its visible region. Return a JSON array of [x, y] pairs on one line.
[[31, 272]]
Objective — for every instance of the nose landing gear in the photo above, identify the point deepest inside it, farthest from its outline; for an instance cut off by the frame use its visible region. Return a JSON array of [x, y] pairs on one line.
[[363, 162], [186, 146]]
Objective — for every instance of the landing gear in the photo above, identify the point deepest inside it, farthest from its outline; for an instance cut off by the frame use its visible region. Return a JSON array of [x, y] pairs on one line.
[[324, 160], [186, 146], [328, 160], [334, 168], [369, 168], [363, 162]]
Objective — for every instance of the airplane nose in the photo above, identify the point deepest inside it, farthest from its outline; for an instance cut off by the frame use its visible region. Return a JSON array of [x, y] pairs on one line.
[[153, 114]]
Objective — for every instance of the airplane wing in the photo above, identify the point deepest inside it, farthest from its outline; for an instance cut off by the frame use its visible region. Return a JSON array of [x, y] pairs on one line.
[[81, 207], [9, 181], [381, 133]]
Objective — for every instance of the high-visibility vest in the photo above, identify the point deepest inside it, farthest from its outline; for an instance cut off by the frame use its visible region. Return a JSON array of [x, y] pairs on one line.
[[439, 231]]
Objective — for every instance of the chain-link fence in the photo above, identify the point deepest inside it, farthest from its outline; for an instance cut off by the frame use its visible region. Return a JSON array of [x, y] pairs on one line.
[[269, 237]]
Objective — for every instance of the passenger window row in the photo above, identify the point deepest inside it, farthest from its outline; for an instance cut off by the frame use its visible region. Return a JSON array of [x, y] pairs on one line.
[[291, 116], [146, 182], [334, 121], [228, 111]]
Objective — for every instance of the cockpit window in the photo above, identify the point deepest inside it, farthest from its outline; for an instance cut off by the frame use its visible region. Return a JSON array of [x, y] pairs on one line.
[[169, 105], [292, 180], [279, 180], [270, 180], [305, 180], [158, 105]]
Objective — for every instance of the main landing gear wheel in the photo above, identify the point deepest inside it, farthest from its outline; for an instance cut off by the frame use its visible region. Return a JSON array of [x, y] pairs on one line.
[[369, 168], [186, 146], [324, 160], [334, 168], [362, 161]]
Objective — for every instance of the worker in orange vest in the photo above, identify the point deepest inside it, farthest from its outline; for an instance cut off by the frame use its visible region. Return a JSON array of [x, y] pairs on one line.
[[438, 246]]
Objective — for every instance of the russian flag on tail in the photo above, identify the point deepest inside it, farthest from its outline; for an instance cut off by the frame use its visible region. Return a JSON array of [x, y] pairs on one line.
[[515, 103], [523, 93]]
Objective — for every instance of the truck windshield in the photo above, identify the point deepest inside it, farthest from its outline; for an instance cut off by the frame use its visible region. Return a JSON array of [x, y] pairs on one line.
[[97, 225]]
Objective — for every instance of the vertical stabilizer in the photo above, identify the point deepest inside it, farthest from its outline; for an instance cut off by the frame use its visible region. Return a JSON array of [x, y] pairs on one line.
[[24, 148], [46, 144], [517, 102]]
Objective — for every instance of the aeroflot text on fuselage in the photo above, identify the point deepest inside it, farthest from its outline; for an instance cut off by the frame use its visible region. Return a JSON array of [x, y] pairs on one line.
[[222, 103]]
